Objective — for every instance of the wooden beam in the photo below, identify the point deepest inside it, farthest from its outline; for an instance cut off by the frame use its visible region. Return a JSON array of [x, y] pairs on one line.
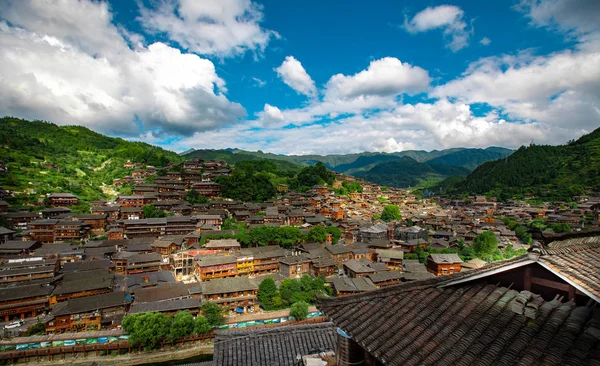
[[572, 291], [549, 283], [527, 280]]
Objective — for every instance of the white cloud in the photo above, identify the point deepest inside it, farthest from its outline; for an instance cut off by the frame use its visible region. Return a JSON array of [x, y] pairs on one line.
[[223, 28], [560, 88], [384, 77], [271, 115], [428, 126], [66, 62], [293, 74], [446, 17], [571, 16], [259, 82], [485, 41]]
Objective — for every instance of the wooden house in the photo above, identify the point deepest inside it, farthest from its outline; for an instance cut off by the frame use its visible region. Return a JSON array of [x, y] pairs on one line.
[[237, 295], [294, 266], [211, 267], [443, 264], [90, 313], [62, 199]]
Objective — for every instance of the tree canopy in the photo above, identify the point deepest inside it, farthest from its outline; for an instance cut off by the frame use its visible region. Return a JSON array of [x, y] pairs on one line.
[[299, 310], [267, 290], [213, 314], [193, 197], [485, 245], [390, 213]]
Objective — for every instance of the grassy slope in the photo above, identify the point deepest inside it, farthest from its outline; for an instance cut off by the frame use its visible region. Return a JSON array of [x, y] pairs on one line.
[[83, 159]]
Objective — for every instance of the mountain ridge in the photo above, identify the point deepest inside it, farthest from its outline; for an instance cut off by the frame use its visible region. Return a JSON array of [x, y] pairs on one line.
[[546, 171]]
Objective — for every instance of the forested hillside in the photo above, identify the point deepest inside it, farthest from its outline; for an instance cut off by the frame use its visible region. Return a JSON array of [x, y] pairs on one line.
[[423, 168], [471, 158], [42, 157], [553, 172], [407, 172]]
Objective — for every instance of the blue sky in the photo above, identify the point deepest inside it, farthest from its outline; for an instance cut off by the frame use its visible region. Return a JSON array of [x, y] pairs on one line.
[[307, 76]]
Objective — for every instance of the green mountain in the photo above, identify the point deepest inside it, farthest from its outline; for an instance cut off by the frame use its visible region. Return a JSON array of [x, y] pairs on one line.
[[354, 163], [42, 157], [407, 172], [553, 172], [471, 158], [376, 167]]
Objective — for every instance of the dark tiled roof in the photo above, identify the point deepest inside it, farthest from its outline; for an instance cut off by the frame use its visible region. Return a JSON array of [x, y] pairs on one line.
[[347, 284], [166, 306], [274, 346], [153, 278], [4, 231], [418, 324], [576, 260], [445, 258], [87, 266], [226, 285], [175, 291], [91, 303], [385, 276], [23, 292], [18, 244], [99, 280]]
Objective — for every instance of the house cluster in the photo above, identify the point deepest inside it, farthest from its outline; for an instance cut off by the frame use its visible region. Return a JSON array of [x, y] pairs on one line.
[[51, 269], [72, 289]]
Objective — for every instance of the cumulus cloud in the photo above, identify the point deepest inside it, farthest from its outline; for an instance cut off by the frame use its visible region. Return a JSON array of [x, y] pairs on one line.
[[552, 89], [428, 126], [449, 18], [571, 16], [485, 41], [384, 77], [293, 74], [68, 63], [223, 28], [373, 88]]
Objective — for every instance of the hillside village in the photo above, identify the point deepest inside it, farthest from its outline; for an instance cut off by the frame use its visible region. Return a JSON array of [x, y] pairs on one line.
[[71, 272]]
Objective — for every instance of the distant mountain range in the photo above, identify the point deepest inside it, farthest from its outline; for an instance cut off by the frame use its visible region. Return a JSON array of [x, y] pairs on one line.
[[400, 169], [552, 172]]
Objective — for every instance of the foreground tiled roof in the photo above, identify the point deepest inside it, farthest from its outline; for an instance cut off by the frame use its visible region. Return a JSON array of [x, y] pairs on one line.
[[457, 319], [576, 260], [274, 346], [465, 324]]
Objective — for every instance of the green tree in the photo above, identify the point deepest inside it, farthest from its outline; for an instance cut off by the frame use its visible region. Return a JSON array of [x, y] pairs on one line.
[[524, 235], [182, 326], [561, 228], [317, 234], [336, 234], [485, 245], [151, 212], [193, 197], [509, 252], [391, 213], [201, 325], [213, 314], [35, 329], [147, 329], [299, 310], [267, 290]]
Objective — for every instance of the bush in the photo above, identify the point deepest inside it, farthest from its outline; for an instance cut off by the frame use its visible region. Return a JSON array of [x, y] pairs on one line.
[[213, 314], [299, 310], [485, 245], [267, 290]]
